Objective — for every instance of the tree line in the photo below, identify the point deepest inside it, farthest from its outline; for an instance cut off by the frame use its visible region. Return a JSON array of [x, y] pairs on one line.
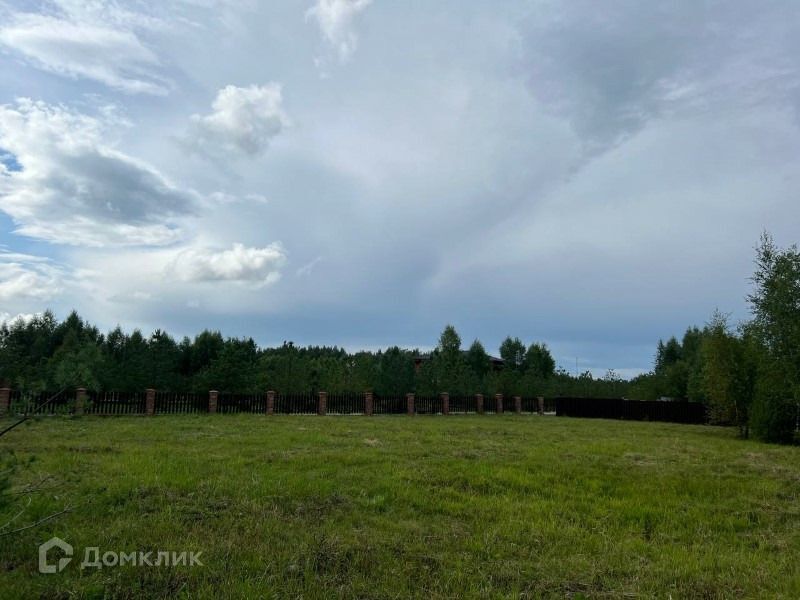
[[43, 353], [747, 375]]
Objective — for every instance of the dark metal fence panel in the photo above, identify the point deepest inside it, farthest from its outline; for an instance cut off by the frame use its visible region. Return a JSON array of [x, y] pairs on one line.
[[116, 403], [178, 402], [347, 403], [390, 405], [530, 404], [29, 403], [228, 403], [428, 405], [676, 411], [463, 404], [303, 403]]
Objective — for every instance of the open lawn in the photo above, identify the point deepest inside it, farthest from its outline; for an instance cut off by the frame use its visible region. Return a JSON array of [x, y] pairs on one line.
[[395, 507]]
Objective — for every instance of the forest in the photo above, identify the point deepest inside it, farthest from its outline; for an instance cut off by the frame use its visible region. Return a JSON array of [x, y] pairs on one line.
[[747, 374]]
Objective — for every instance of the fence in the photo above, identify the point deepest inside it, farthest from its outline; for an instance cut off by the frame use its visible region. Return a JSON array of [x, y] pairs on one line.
[[676, 411], [33, 403], [462, 405], [173, 403], [153, 402], [390, 405], [306, 403], [241, 403], [115, 403], [348, 403]]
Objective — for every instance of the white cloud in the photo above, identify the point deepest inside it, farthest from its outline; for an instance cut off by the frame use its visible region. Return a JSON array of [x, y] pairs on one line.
[[25, 277], [110, 55], [225, 198], [335, 20], [8, 318], [259, 266], [306, 269], [74, 189], [245, 119]]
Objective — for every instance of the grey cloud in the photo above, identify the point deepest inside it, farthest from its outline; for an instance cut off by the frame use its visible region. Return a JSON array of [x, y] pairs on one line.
[[610, 67], [72, 189]]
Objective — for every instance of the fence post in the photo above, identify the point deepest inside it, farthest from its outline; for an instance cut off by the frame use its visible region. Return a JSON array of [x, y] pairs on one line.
[[368, 403], [540, 401], [213, 398], [410, 404], [517, 404], [270, 402], [322, 407], [5, 401], [80, 400], [445, 396], [479, 403], [150, 402], [498, 399]]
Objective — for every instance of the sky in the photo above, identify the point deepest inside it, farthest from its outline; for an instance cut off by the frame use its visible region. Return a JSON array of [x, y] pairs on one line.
[[362, 172]]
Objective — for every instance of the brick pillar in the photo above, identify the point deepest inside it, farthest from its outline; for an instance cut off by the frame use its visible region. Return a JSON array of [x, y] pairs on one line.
[[80, 400], [517, 404], [445, 403], [368, 403], [322, 407], [150, 401], [410, 405], [540, 402], [213, 398], [270, 402], [498, 399], [479, 403], [5, 401]]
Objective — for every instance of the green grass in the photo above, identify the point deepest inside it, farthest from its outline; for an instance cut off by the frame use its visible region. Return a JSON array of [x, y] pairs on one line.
[[396, 507]]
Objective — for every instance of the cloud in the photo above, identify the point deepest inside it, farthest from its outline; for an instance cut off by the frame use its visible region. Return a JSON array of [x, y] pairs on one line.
[[335, 20], [8, 318], [226, 198], [245, 120], [73, 189], [610, 69], [110, 55], [26, 277], [259, 266], [307, 268]]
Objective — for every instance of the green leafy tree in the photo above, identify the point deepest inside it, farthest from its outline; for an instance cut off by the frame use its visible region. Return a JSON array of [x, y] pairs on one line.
[[728, 375], [76, 363], [478, 361], [448, 367], [775, 303], [234, 369], [539, 362], [395, 372], [512, 351]]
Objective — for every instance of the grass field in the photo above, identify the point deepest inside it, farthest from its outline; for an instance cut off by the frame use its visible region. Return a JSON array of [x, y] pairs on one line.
[[396, 507]]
